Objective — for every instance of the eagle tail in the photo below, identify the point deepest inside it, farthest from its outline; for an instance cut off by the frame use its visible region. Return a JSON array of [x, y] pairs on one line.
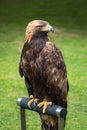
[[49, 126], [49, 122]]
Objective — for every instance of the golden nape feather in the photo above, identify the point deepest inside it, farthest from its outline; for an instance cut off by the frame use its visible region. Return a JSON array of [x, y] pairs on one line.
[[44, 70]]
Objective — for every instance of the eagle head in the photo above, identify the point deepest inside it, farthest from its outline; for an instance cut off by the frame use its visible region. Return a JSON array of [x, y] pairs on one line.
[[37, 28]]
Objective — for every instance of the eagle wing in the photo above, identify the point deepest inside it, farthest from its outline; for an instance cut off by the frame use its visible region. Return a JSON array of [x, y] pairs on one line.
[[23, 68], [55, 74]]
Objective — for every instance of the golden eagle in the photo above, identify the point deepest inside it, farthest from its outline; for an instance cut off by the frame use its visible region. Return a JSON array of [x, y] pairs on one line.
[[44, 71]]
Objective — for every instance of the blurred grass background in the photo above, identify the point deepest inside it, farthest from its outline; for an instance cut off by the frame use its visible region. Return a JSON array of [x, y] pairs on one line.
[[70, 21]]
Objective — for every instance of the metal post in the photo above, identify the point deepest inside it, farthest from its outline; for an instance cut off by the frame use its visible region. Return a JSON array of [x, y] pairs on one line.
[[23, 118], [60, 123]]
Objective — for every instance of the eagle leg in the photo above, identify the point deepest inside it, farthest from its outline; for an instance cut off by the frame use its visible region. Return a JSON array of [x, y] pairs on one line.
[[45, 104], [32, 100]]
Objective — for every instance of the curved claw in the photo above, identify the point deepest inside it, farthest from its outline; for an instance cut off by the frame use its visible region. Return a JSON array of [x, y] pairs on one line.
[[32, 100], [45, 104]]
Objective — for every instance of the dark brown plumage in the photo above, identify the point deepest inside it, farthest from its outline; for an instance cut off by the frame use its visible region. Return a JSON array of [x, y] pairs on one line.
[[44, 70]]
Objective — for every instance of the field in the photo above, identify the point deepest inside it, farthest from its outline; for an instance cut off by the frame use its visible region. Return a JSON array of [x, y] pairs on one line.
[[70, 23]]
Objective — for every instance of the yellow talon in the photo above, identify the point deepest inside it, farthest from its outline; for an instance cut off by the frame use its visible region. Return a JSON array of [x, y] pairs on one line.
[[31, 96], [32, 100], [45, 104]]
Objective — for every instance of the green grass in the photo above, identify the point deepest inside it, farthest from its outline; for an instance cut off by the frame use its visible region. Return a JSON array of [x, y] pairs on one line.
[[70, 21]]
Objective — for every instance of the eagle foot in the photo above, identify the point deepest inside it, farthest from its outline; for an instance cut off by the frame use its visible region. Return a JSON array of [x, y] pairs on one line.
[[44, 104], [32, 100]]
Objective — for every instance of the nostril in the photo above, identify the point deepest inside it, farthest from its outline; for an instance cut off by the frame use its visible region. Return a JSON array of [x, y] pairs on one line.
[[52, 29]]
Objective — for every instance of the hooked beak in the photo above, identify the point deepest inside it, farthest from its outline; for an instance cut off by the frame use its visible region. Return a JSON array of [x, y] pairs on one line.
[[47, 28]]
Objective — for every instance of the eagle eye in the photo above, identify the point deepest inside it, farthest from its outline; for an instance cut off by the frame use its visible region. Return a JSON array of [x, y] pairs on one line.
[[40, 26]]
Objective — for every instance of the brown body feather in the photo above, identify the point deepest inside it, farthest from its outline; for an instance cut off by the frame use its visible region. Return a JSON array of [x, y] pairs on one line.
[[44, 70]]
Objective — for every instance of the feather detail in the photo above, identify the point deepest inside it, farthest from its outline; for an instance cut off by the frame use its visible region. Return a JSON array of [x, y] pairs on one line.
[[28, 33]]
